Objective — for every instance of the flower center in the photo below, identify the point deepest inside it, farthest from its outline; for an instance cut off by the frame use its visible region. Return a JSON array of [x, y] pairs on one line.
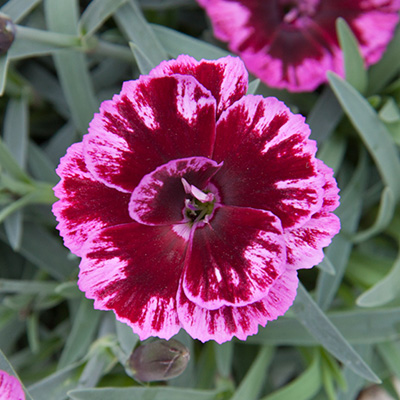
[[199, 205], [294, 10]]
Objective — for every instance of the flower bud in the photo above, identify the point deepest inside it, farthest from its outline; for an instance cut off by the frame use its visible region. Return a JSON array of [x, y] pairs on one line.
[[7, 33], [159, 360]]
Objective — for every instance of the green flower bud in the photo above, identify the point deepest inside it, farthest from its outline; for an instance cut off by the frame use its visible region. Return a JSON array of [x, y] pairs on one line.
[[7, 33], [159, 360]]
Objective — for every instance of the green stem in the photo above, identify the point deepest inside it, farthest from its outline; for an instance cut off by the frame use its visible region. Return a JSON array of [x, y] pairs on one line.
[[108, 49], [52, 38]]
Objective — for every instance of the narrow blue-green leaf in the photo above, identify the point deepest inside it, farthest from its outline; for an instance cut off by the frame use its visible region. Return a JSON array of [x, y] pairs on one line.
[[26, 48], [32, 332], [45, 251], [332, 151], [386, 69], [372, 131], [339, 250], [56, 385], [381, 325], [356, 73], [126, 338], [96, 367], [96, 13], [58, 144], [165, 4], [253, 86], [252, 383], [387, 208], [303, 387], [143, 62], [324, 116], [390, 112], [40, 165], [27, 287], [327, 266], [4, 61], [223, 358], [80, 338], [141, 393], [176, 43], [354, 383], [8, 162], [390, 352], [15, 136], [138, 31], [15, 133], [6, 366], [314, 319], [18, 9], [72, 68], [384, 291]]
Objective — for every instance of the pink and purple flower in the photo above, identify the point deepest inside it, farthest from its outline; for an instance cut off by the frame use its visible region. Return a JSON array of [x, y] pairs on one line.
[[10, 387], [193, 205], [291, 44]]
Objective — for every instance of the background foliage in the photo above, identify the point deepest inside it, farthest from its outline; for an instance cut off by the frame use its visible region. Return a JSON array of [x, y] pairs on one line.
[[341, 335]]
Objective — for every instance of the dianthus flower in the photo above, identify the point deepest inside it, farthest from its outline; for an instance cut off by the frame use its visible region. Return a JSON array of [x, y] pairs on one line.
[[193, 205], [291, 44], [10, 388]]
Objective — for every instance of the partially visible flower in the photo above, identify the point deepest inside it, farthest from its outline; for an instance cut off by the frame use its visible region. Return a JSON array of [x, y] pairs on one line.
[[291, 44], [159, 360], [193, 204], [10, 388]]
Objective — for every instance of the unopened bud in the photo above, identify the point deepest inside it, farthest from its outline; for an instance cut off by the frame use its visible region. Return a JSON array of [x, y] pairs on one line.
[[159, 360], [7, 33]]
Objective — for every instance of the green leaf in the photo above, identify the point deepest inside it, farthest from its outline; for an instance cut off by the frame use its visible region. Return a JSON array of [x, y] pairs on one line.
[[4, 61], [176, 43], [385, 70], [390, 352], [126, 338], [140, 393], [313, 318], [324, 116], [223, 358], [386, 210], [144, 63], [56, 385], [27, 287], [45, 251], [384, 291], [40, 165], [80, 338], [356, 73], [18, 9], [138, 31], [372, 131], [303, 387], [339, 250], [96, 13], [8, 162], [326, 266], [72, 68], [253, 86], [354, 382], [381, 325], [251, 385], [15, 136]]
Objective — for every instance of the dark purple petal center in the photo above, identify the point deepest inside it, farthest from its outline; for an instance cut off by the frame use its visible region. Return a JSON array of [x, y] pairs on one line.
[[176, 192], [294, 10]]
